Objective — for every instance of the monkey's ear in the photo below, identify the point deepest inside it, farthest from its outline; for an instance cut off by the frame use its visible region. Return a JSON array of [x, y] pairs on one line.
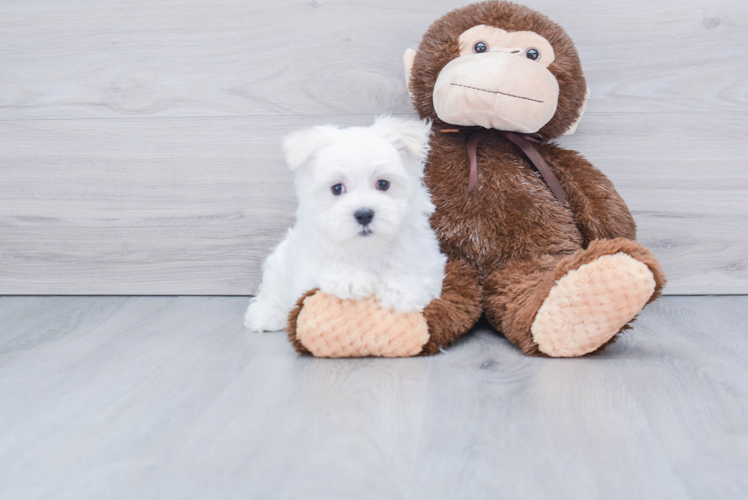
[[574, 125], [300, 146], [408, 58], [408, 136]]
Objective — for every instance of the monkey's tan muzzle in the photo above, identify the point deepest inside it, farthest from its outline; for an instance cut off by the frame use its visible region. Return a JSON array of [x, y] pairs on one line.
[[496, 90]]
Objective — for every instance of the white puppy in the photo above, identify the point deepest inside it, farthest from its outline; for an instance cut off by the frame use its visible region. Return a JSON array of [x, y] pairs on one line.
[[362, 224]]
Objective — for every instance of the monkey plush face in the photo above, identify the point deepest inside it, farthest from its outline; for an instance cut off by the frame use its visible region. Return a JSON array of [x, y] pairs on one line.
[[498, 65], [500, 80]]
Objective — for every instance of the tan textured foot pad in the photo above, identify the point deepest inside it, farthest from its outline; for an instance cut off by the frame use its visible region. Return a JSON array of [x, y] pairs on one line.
[[335, 328], [589, 305]]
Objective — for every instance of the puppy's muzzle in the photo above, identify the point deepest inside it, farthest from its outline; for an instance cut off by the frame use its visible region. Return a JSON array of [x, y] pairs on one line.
[[364, 216]]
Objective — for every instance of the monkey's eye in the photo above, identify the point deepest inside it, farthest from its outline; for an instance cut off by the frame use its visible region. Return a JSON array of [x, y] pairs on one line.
[[532, 54], [480, 47], [338, 189], [383, 185]]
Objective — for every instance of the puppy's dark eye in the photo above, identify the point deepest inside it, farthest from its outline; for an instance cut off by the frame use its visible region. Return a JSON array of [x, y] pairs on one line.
[[480, 47], [532, 54], [383, 185], [338, 189]]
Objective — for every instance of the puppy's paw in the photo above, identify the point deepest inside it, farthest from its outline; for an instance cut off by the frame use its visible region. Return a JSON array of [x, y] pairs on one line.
[[355, 286], [263, 316], [402, 297]]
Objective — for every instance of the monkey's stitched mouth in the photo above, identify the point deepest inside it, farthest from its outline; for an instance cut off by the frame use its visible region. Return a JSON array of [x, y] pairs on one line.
[[497, 92]]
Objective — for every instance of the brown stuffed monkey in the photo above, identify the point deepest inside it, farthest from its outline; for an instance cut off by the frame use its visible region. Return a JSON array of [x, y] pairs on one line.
[[537, 238]]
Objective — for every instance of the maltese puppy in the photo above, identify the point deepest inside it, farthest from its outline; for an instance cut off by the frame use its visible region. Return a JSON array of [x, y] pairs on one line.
[[362, 223]]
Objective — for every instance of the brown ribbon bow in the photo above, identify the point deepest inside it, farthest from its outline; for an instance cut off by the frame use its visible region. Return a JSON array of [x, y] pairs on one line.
[[522, 141]]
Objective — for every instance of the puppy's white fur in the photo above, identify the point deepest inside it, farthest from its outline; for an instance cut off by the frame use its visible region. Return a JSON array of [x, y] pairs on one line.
[[395, 258]]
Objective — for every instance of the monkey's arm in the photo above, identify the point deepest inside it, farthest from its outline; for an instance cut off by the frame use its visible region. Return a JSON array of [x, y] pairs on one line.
[[598, 209]]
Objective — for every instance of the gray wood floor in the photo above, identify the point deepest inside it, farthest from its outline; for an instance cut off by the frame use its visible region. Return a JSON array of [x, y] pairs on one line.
[[140, 141], [169, 397]]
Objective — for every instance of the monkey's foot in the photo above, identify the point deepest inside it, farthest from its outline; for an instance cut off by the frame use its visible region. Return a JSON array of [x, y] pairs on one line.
[[590, 304], [329, 327]]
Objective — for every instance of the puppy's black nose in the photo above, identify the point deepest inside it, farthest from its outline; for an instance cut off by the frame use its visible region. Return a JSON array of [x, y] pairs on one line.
[[364, 216]]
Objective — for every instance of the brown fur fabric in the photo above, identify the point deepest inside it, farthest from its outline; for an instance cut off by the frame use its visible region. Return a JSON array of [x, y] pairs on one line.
[[510, 240], [511, 230], [458, 308], [293, 317], [514, 293], [440, 45]]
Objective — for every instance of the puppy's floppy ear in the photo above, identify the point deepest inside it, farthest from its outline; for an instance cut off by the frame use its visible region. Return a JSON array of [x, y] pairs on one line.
[[300, 146], [409, 136]]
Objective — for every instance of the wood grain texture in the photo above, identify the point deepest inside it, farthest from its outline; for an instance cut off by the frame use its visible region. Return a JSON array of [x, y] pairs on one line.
[[90, 58], [192, 206], [140, 150], [166, 397]]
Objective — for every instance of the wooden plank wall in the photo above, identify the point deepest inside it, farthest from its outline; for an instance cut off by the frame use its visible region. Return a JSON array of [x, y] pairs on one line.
[[139, 140]]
